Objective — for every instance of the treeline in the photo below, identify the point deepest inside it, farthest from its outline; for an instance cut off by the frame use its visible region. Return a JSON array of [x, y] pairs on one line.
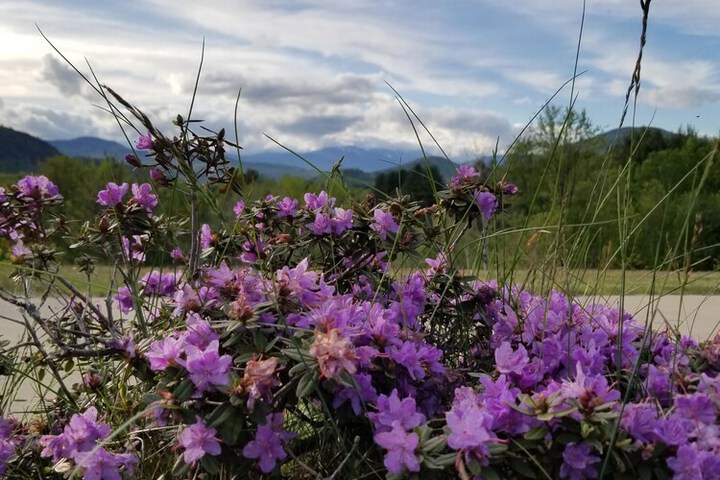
[[639, 198]]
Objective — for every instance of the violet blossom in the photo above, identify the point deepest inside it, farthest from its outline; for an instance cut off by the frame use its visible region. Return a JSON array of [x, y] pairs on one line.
[[112, 195], [267, 446], [487, 202], [198, 440], [145, 142], [143, 196], [384, 223], [401, 447]]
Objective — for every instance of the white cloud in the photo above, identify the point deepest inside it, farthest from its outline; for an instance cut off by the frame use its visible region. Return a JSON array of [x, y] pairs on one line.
[[682, 96], [313, 74]]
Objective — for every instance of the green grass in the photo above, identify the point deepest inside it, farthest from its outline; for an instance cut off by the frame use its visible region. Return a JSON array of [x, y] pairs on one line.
[[98, 283], [574, 282], [609, 282]]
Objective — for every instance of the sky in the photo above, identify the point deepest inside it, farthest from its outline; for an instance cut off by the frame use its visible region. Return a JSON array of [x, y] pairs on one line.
[[314, 73]]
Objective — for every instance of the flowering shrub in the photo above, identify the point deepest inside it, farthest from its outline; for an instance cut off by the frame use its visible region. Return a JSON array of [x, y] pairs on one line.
[[283, 344]]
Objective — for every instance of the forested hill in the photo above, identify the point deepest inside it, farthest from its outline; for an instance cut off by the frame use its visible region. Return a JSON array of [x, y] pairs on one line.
[[21, 152]]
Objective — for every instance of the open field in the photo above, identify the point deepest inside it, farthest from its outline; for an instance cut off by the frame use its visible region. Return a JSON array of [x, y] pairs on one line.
[[574, 282], [610, 282]]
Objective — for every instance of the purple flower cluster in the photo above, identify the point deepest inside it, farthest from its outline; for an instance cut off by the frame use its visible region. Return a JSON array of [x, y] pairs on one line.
[[142, 196], [8, 442], [256, 343], [79, 442], [394, 423], [21, 208], [197, 351], [198, 440], [267, 446]]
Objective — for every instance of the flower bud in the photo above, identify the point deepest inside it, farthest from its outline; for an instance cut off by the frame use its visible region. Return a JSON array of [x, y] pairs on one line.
[[132, 160]]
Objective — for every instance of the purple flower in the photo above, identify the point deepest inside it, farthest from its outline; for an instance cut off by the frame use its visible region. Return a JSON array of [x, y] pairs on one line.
[[177, 255], [487, 203], [157, 175], [437, 265], [267, 447], [7, 450], [321, 225], [112, 195], [79, 435], [641, 421], [199, 332], [38, 187], [124, 299], [99, 464], [659, 384], [238, 208], [470, 431], [19, 250], [465, 173], [400, 446], [166, 353], [315, 202], [510, 189], [342, 220], [3, 195], [207, 367], [508, 361], [418, 358], [685, 464], [698, 408], [197, 440], [392, 411], [361, 391], [133, 248], [288, 207], [206, 236], [143, 196], [384, 223], [578, 462], [145, 142]]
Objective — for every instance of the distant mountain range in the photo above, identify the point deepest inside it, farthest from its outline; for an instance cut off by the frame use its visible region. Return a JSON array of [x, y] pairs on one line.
[[23, 152], [91, 147], [275, 164]]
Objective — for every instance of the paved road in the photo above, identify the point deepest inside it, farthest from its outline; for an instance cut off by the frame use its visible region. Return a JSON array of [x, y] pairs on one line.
[[695, 314]]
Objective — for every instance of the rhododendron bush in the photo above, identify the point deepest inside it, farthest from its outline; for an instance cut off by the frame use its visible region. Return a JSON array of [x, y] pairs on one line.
[[281, 342]]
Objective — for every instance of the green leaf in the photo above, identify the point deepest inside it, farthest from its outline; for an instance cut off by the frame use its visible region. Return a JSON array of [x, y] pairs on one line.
[[271, 344], [567, 437], [586, 429], [522, 468], [537, 433], [298, 369], [645, 471], [180, 468], [149, 398], [184, 390], [211, 464], [306, 385], [475, 468], [434, 445], [220, 414], [490, 474], [297, 355], [498, 448], [445, 460]]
